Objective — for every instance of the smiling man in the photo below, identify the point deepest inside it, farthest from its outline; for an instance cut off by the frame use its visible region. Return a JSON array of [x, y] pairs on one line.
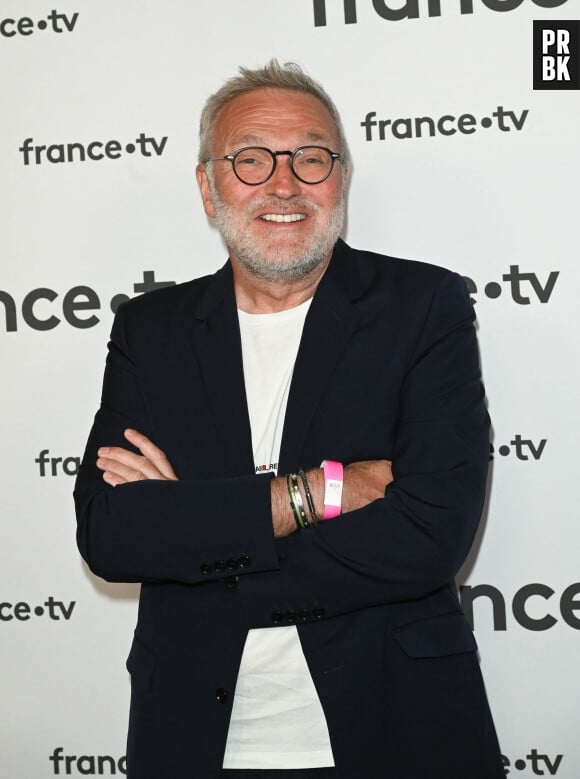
[[283, 232], [291, 456]]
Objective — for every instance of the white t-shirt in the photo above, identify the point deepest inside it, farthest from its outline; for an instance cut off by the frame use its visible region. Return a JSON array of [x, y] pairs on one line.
[[277, 720]]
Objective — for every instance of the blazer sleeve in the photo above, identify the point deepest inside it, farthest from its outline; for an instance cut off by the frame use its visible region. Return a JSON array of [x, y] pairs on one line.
[[191, 531], [413, 541]]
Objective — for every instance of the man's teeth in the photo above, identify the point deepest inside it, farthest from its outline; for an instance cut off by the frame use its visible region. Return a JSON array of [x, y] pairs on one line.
[[283, 217]]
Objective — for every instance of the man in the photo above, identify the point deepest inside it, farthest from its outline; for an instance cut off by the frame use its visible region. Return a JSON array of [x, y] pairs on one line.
[[286, 627]]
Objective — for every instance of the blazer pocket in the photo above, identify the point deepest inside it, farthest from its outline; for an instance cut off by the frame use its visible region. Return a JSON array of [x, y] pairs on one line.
[[447, 634], [141, 664]]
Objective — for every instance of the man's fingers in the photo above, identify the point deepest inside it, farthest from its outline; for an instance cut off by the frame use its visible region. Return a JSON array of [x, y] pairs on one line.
[[121, 466], [151, 452], [113, 479], [143, 443], [127, 466]]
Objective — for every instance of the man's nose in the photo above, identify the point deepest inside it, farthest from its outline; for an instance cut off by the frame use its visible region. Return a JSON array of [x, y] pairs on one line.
[[283, 183]]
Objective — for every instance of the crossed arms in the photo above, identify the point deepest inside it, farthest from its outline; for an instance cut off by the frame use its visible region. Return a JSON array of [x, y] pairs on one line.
[[363, 481], [386, 547]]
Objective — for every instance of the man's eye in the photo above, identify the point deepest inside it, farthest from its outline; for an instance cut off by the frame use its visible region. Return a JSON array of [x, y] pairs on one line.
[[310, 159], [247, 161]]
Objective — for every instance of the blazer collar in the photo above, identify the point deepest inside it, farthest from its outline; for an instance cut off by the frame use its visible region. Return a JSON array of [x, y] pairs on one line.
[[216, 335]]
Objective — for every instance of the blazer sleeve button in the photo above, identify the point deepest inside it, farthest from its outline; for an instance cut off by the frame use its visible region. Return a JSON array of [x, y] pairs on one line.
[[219, 566], [304, 615], [244, 561], [318, 613], [232, 565], [205, 568], [222, 695], [290, 617], [277, 617]]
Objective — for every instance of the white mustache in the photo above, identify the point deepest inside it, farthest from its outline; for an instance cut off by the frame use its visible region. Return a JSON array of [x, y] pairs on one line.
[[283, 206]]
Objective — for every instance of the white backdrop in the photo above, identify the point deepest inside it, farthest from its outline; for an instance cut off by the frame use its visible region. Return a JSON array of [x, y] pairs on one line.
[[495, 200]]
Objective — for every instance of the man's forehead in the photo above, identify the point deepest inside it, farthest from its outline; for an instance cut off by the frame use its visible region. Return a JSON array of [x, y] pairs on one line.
[[253, 139], [258, 118]]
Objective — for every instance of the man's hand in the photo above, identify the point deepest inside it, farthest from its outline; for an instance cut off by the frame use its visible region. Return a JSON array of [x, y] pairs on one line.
[[120, 466]]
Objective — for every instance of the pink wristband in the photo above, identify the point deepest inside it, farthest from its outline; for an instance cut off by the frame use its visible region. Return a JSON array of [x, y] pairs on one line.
[[333, 480]]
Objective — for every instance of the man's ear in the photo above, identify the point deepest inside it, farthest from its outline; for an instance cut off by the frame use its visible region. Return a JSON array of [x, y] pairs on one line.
[[203, 183]]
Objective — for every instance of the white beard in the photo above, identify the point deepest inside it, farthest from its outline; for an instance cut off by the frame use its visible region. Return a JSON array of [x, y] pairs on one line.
[[278, 263]]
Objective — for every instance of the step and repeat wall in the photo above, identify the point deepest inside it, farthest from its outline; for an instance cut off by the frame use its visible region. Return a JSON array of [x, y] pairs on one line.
[[458, 161]]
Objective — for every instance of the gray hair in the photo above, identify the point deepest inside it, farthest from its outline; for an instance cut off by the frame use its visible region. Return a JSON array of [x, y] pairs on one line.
[[289, 76]]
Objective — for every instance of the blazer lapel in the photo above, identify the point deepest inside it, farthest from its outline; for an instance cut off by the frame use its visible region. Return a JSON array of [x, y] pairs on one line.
[[327, 330], [217, 345], [218, 350]]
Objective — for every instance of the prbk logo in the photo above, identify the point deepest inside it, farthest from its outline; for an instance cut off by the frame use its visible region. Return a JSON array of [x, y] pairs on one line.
[[557, 55], [86, 765], [536, 762], [54, 22], [445, 125], [55, 466], [524, 288], [96, 151], [415, 9], [77, 299], [51, 608], [538, 617], [523, 448]]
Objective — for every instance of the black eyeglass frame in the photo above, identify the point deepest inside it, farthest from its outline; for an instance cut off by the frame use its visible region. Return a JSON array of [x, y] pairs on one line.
[[334, 155]]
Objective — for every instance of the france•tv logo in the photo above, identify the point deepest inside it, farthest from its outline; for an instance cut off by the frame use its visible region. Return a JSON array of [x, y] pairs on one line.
[[557, 54]]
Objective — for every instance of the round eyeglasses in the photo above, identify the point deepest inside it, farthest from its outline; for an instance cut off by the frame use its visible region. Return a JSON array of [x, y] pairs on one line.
[[254, 165]]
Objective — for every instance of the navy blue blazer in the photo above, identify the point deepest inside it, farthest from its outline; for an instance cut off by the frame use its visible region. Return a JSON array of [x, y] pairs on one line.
[[387, 368]]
